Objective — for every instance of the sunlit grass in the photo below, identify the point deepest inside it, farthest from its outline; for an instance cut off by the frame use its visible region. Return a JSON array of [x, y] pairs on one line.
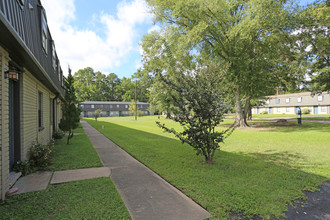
[[257, 172]]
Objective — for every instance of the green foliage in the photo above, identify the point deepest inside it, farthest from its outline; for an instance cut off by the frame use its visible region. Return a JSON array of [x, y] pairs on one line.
[[305, 111], [71, 113], [315, 45], [40, 155], [198, 106], [264, 112], [249, 40], [97, 113], [58, 134], [23, 166]]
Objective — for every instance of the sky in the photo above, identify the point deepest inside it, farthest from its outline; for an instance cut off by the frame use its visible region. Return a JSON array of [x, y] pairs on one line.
[[102, 34]]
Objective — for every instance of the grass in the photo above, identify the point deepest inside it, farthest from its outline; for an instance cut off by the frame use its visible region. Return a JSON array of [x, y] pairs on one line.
[[259, 170], [87, 199], [79, 154]]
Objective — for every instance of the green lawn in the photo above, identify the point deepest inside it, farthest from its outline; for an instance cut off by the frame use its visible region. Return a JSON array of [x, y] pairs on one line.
[[87, 199], [79, 154], [258, 172]]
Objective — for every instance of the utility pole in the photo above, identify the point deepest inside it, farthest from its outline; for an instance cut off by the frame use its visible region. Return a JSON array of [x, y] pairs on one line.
[[135, 103]]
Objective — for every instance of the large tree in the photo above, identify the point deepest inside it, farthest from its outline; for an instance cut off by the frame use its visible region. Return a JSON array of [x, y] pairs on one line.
[[71, 112], [314, 35], [92, 86], [247, 38]]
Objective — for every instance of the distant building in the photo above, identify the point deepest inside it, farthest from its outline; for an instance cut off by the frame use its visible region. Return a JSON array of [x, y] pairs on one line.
[[31, 83], [290, 103], [111, 109]]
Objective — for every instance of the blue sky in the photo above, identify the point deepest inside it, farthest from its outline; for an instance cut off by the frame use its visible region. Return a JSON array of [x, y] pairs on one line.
[[102, 34]]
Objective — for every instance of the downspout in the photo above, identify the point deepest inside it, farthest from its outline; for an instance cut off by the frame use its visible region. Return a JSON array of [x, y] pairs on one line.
[[3, 191], [55, 113]]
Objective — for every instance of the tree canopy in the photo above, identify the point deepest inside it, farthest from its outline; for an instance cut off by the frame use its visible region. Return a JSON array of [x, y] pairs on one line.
[[250, 40]]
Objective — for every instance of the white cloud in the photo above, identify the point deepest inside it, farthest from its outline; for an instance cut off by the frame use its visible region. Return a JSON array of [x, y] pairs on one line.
[[82, 48]]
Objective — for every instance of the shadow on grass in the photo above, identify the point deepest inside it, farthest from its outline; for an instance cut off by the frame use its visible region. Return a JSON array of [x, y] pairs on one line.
[[285, 126], [235, 184]]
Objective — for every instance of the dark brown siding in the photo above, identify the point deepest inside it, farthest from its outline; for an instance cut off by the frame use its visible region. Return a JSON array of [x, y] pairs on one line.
[[25, 23]]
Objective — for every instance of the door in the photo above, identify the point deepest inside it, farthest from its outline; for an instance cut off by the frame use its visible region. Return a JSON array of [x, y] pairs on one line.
[[297, 109], [108, 113], [85, 114], [258, 111], [270, 110], [14, 124], [316, 110], [120, 114]]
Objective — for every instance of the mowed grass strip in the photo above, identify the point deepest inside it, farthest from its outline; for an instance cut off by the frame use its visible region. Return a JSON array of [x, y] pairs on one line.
[[79, 154], [259, 171], [87, 199]]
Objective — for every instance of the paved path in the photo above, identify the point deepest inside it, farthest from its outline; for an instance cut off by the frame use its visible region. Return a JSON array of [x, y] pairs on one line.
[[40, 180], [146, 195]]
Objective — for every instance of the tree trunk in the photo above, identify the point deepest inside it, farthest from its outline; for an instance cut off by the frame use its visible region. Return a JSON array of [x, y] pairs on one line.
[[246, 109], [168, 115], [239, 120], [68, 139], [250, 113]]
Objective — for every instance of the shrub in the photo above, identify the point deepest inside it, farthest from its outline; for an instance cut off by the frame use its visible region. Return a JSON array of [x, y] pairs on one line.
[[305, 111], [264, 112], [23, 166], [40, 154], [59, 134]]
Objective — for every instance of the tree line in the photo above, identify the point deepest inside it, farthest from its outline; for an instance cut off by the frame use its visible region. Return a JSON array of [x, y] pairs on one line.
[[97, 86]]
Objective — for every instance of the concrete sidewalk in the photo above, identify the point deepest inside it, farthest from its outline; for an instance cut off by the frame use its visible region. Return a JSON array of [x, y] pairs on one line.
[[146, 195], [41, 179]]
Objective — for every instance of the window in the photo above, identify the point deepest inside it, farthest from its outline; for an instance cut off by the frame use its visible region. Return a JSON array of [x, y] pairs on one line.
[[141, 106], [111, 113], [92, 106], [323, 108], [320, 98], [278, 110], [101, 106], [117, 106], [54, 56], [81, 106], [299, 99], [277, 101], [267, 101], [110, 106], [287, 100], [287, 109], [44, 33], [40, 118], [126, 106]]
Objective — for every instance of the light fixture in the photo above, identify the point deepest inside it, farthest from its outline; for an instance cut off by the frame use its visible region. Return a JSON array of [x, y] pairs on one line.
[[12, 74]]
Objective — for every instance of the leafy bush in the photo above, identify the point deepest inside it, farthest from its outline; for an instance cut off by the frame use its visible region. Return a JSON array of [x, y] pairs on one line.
[[23, 166], [264, 112], [305, 111], [40, 154], [59, 134]]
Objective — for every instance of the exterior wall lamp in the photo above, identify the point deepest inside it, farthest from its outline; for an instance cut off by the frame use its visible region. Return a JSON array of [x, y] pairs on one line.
[[12, 74]]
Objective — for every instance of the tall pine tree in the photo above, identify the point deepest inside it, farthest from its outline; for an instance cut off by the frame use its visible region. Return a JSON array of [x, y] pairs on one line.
[[70, 110]]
